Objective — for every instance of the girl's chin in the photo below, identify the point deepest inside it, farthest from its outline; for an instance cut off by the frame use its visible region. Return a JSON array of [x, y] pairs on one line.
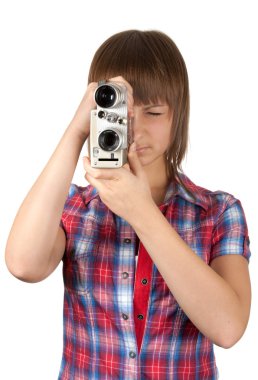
[[147, 160]]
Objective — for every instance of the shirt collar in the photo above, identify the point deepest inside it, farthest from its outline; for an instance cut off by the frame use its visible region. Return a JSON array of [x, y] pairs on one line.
[[174, 189]]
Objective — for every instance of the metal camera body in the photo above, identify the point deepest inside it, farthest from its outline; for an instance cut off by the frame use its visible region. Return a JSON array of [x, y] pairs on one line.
[[108, 140]]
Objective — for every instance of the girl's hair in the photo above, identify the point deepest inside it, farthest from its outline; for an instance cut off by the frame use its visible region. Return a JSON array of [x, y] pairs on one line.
[[151, 62]]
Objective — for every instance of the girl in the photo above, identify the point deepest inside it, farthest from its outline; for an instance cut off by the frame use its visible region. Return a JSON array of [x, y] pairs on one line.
[[155, 317]]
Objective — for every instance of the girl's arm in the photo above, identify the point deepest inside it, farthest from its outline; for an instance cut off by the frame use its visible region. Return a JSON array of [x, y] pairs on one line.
[[36, 243]]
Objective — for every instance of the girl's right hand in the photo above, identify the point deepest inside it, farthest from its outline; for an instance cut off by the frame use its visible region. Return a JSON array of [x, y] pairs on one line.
[[81, 119]]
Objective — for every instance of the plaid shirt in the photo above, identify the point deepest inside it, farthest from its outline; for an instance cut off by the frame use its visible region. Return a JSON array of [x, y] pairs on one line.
[[121, 321]]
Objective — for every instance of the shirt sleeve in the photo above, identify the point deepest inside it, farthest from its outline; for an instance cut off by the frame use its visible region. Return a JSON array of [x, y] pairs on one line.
[[73, 190], [230, 235]]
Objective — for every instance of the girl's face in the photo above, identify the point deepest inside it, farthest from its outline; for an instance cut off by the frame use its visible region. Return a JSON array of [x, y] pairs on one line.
[[152, 128]]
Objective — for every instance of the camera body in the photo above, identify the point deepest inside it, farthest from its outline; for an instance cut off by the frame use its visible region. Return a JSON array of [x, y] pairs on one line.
[[109, 132]]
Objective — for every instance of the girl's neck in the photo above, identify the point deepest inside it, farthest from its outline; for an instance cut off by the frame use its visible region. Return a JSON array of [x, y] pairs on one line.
[[158, 181]]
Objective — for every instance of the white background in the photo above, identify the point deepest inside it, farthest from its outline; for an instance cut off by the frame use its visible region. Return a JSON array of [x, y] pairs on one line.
[[46, 49]]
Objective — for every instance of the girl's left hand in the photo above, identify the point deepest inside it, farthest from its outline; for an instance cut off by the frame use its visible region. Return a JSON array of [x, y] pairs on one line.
[[125, 191]]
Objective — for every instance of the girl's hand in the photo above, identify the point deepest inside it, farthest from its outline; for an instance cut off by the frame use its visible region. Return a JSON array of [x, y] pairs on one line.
[[125, 191], [81, 119]]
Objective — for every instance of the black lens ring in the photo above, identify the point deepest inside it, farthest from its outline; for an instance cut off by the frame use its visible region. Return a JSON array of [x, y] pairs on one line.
[[108, 140], [105, 96]]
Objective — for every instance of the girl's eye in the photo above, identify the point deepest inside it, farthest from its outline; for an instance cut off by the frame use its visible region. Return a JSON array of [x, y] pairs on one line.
[[154, 113]]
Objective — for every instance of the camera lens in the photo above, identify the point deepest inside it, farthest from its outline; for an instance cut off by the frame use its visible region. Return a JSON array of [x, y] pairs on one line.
[[105, 96], [108, 140]]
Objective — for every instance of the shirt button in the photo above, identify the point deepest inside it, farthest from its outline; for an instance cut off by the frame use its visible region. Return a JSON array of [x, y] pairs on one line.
[[125, 275], [132, 354], [125, 317], [144, 281], [140, 316], [127, 241]]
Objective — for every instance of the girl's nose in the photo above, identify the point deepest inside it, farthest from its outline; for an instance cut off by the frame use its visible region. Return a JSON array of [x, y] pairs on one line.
[[136, 126]]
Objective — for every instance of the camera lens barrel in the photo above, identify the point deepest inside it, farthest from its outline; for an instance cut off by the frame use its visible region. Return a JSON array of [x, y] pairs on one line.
[[106, 96], [109, 140]]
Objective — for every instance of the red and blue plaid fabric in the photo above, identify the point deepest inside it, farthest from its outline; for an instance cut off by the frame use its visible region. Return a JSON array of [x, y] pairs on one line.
[[121, 322]]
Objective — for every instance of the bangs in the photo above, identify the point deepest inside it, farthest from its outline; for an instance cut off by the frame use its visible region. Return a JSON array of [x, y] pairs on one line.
[[141, 61]]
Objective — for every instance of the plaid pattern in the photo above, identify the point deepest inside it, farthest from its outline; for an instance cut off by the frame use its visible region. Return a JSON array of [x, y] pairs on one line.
[[105, 295]]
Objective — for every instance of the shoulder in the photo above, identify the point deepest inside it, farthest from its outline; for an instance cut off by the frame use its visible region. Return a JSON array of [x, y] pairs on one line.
[[77, 192], [223, 213], [82, 200], [81, 194], [213, 201], [218, 207]]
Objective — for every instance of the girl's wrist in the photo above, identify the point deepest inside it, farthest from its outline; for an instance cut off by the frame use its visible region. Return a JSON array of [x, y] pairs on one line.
[[75, 137], [77, 127], [147, 211]]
